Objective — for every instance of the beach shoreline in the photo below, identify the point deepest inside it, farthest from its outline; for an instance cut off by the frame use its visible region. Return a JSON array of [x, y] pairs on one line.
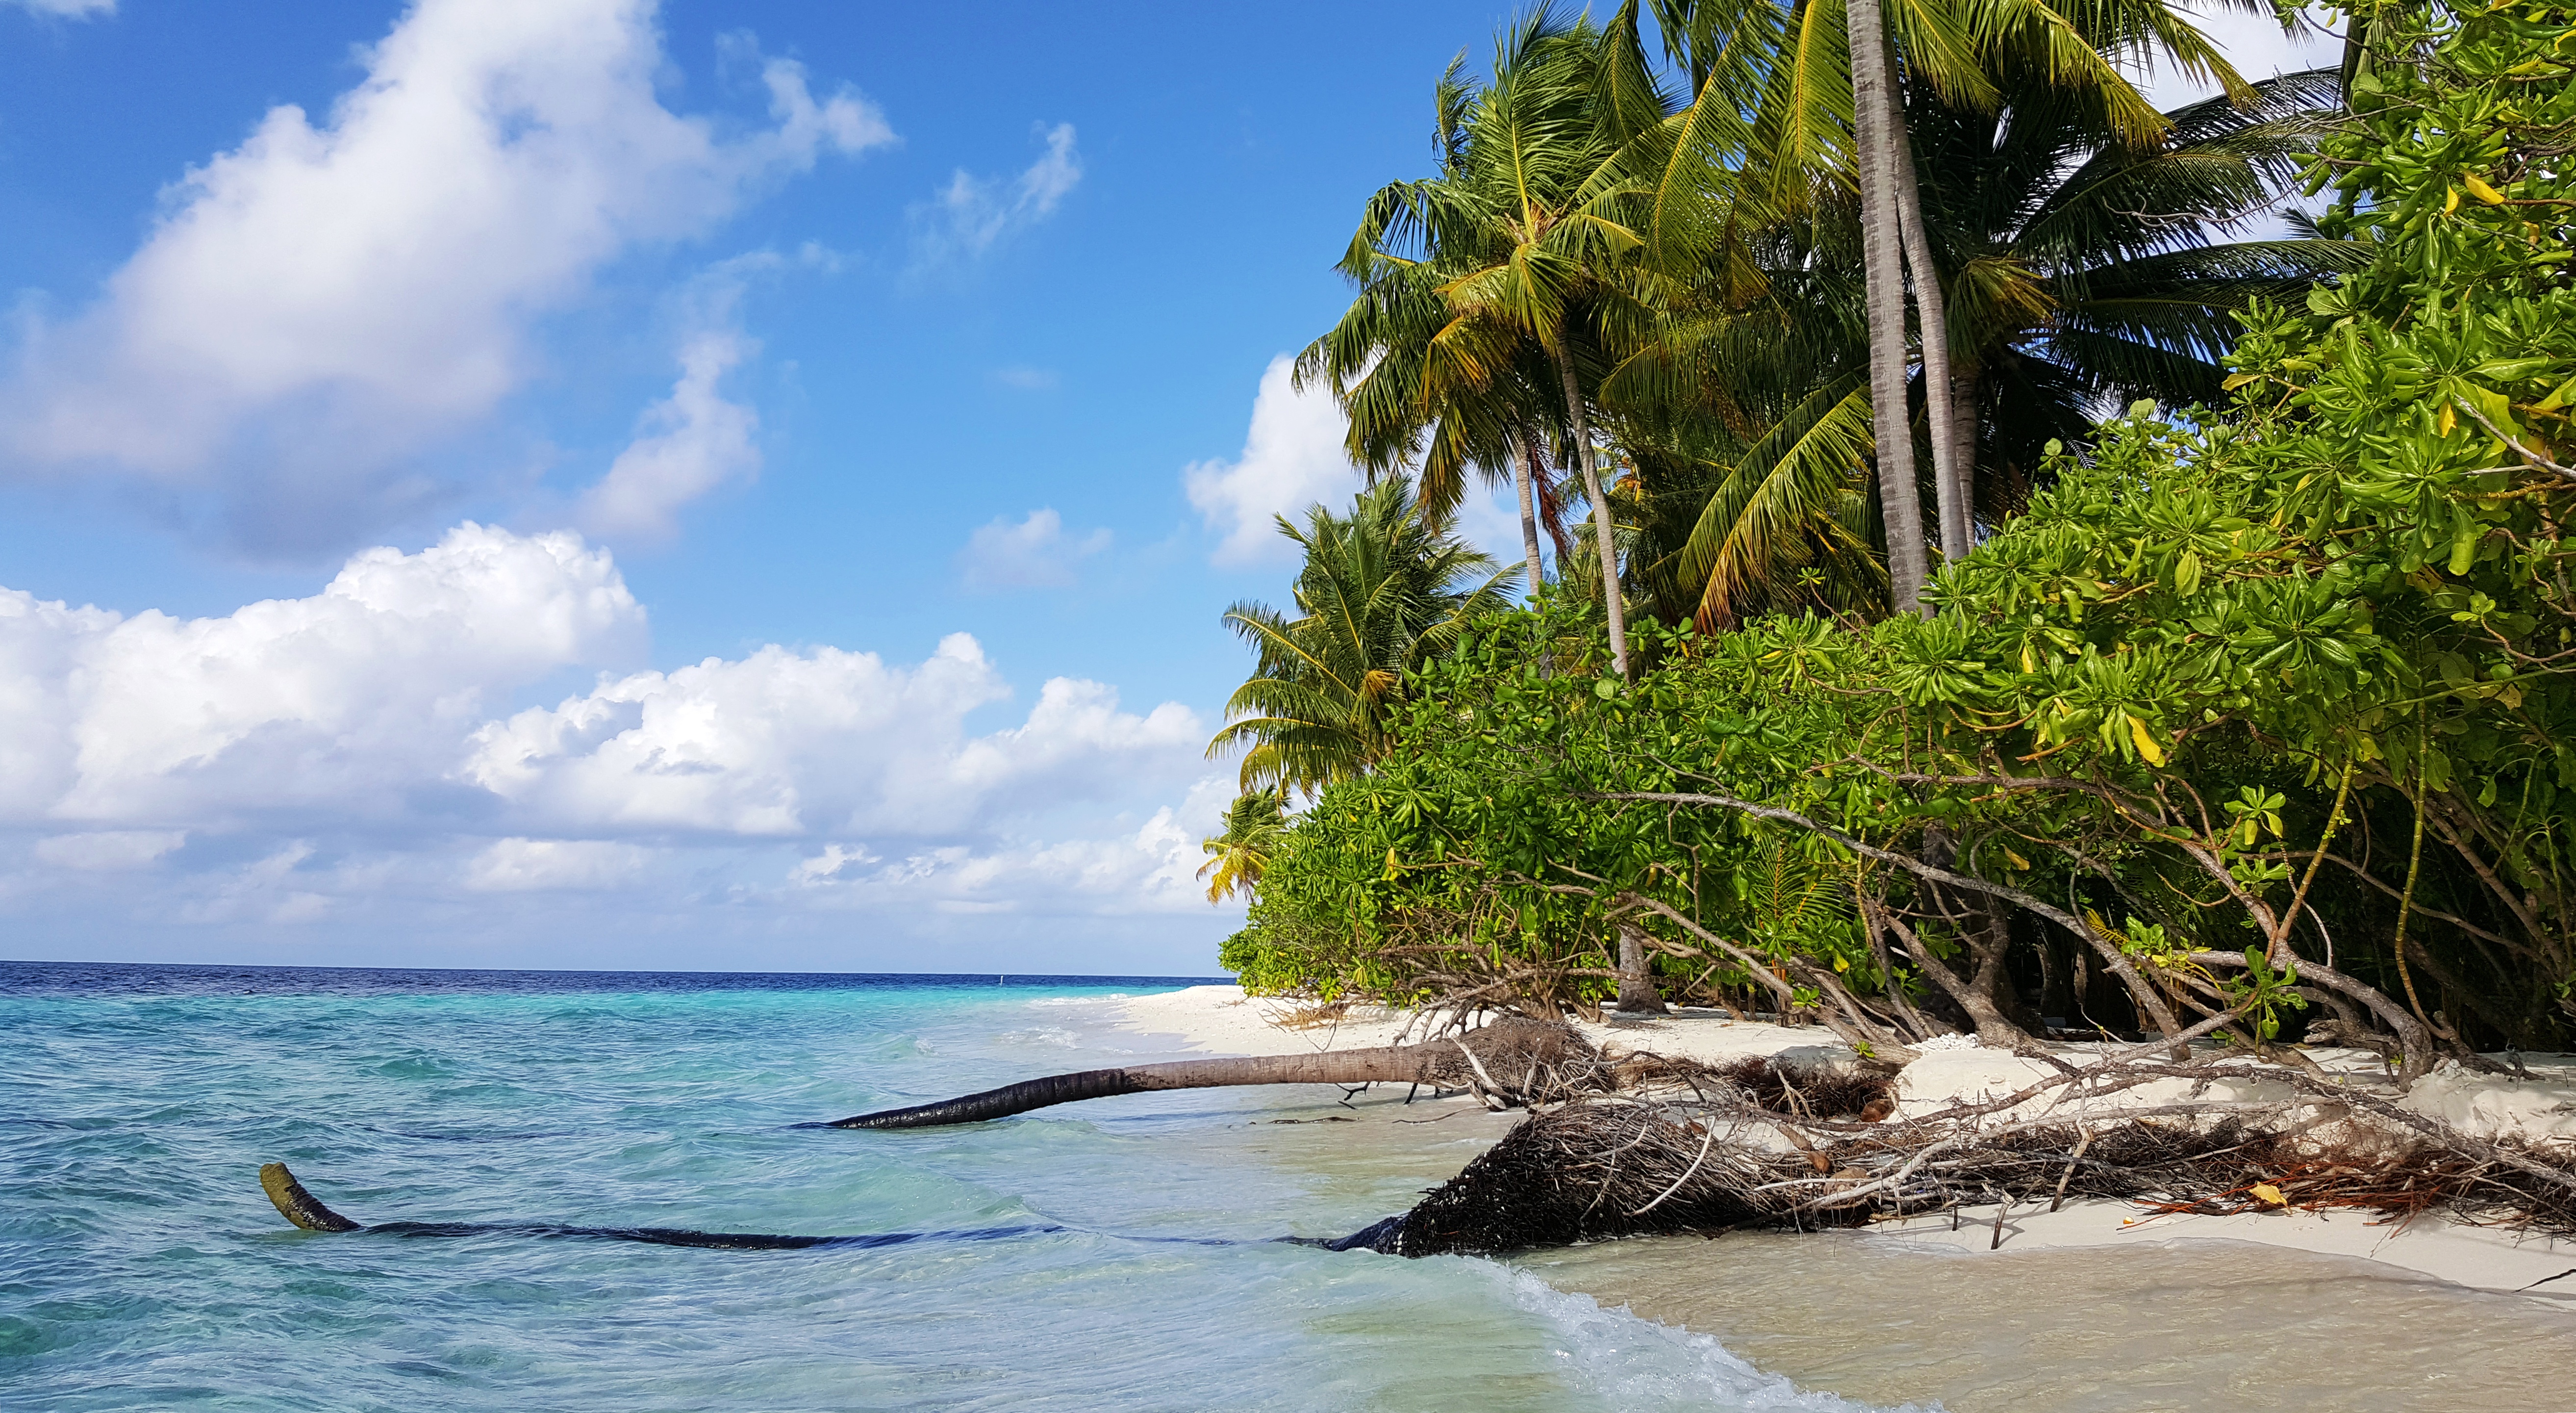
[[1222, 1020]]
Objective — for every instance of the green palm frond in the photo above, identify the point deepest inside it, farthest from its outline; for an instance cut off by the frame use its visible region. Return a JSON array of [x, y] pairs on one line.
[[1240, 852], [1381, 589], [1773, 511]]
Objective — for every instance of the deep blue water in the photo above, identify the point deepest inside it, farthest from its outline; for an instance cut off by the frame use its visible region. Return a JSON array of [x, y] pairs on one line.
[[1105, 1256]]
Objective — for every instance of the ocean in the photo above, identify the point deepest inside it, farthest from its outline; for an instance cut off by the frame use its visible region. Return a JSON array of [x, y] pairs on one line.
[[1114, 1255]]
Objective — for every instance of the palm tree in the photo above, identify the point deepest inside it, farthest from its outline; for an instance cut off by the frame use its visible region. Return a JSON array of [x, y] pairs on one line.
[[1239, 853], [1393, 362], [2090, 271], [1833, 116], [1383, 590], [1526, 233]]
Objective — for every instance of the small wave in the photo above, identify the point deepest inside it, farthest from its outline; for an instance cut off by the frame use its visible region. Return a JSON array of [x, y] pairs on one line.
[[476, 1137], [1081, 1000], [1636, 1364], [1055, 1035]]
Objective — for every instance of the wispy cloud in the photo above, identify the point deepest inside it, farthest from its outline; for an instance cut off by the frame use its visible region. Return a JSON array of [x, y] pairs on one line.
[[1034, 553], [66, 9], [1027, 379], [690, 442], [972, 214], [533, 865]]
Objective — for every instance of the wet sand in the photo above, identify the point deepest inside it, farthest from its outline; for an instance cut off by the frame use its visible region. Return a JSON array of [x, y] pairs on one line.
[[2182, 1325]]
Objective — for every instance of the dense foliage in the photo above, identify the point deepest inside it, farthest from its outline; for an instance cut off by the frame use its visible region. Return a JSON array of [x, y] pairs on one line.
[[2256, 719]]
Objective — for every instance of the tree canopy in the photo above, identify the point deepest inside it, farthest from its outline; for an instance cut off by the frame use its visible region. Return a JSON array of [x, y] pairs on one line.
[[2253, 719]]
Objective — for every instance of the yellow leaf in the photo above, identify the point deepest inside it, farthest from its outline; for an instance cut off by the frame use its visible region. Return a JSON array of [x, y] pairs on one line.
[[2145, 741], [2446, 421], [2450, 201], [2268, 1195], [2481, 190], [2238, 380]]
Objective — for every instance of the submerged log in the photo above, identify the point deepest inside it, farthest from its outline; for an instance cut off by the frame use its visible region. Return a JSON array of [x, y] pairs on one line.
[[307, 1211], [1514, 1061]]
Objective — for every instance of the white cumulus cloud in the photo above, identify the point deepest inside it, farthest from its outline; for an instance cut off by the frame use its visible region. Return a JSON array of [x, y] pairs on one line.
[[2254, 43], [328, 299], [1292, 458], [338, 702], [1032, 553], [785, 744], [1150, 869], [360, 763], [972, 214]]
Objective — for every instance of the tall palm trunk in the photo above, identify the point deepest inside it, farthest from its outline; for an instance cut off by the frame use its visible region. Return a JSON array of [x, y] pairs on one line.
[[1883, 277], [1524, 455], [1601, 525], [1527, 474], [1932, 321], [1963, 434]]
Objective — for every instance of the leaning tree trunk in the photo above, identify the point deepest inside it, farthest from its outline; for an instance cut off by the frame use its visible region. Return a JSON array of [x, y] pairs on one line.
[[1510, 1060], [1601, 523], [1883, 275], [1932, 319]]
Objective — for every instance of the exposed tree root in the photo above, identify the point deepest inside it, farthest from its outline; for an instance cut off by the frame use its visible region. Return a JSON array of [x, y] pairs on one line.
[[1608, 1166]]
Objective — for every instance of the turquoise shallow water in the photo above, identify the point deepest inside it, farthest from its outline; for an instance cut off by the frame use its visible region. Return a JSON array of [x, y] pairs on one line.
[[140, 1267]]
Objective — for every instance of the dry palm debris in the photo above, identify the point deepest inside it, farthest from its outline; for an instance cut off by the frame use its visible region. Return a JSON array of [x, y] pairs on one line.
[[1736, 1152]]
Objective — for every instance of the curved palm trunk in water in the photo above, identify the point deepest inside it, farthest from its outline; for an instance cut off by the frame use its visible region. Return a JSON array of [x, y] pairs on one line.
[[306, 1211]]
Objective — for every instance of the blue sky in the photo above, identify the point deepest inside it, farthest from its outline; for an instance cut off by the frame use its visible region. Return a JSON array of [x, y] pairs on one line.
[[659, 392]]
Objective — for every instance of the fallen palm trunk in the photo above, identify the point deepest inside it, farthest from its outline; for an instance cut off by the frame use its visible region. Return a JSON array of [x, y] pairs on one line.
[[1512, 1061]]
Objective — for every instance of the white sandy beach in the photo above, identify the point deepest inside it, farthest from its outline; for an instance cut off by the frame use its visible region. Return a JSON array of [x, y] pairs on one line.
[[1222, 1020]]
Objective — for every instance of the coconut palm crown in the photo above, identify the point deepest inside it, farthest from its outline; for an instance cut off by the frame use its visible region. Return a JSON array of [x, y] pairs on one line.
[[1383, 589]]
